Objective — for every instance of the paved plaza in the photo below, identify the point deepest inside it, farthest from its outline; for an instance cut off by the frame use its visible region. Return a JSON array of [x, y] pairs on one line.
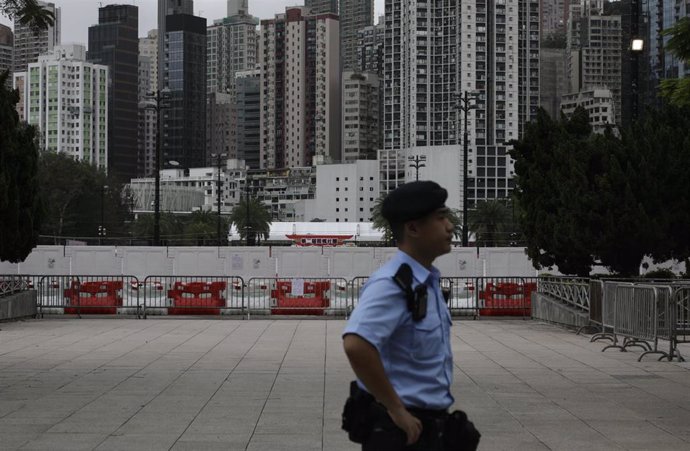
[[183, 384]]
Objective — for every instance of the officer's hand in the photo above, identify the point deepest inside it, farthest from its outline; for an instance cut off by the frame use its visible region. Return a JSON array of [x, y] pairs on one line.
[[408, 423]]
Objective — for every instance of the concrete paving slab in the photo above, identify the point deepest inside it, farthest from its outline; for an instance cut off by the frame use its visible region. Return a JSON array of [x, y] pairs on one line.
[[263, 384]]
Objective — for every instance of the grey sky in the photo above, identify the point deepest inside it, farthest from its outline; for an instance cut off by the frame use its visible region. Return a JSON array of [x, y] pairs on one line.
[[78, 15]]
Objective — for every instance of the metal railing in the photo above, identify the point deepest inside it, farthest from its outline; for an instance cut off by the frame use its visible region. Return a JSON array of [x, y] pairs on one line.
[[12, 283], [316, 296], [83, 295], [572, 291], [192, 295]]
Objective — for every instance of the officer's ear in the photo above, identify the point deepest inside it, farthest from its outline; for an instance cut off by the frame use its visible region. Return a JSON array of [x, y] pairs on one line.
[[412, 228]]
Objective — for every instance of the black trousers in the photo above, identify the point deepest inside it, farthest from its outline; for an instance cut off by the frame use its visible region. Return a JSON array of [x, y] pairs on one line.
[[386, 436]]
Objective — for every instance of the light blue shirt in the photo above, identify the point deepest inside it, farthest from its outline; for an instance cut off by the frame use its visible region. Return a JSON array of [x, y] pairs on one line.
[[416, 355]]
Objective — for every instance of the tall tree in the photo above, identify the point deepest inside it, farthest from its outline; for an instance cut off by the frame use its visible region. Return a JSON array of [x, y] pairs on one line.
[[677, 90], [379, 221], [21, 211], [552, 169], [252, 219], [76, 194], [29, 12], [489, 221]]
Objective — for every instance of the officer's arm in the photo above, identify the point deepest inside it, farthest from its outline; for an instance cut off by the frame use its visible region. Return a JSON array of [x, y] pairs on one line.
[[367, 365]]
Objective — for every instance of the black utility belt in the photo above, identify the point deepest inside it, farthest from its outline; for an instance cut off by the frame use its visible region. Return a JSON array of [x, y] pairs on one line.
[[362, 412]]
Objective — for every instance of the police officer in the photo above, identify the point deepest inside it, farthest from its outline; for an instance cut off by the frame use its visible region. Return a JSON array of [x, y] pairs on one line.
[[402, 356]]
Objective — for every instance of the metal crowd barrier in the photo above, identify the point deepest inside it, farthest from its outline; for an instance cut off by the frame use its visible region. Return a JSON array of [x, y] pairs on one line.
[[608, 311], [462, 295], [84, 295], [192, 295], [298, 296], [681, 319], [356, 286]]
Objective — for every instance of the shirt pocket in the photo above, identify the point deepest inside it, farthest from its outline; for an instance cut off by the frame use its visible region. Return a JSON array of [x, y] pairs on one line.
[[427, 339]]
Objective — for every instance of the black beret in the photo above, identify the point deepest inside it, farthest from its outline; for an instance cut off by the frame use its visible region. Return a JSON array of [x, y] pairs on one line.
[[413, 200]]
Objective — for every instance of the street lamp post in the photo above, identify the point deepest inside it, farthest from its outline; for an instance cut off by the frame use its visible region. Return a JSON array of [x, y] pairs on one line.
[[417, 162], [218, 157], [157, 104], [101, 227], [246, 206], [465, 105]]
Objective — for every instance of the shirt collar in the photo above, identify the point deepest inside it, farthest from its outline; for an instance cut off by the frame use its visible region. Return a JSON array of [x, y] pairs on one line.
[[418, 270]]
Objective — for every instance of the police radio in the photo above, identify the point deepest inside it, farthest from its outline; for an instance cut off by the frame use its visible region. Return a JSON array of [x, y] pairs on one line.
[[417, 297]]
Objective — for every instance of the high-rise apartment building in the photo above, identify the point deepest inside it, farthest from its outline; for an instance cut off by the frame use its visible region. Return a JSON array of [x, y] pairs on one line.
[[238, 7], [184, 121], [594, 51], [115, 42], [66, 98], [354, 15], [434, 52], [554, 15], [322, 6], [6, 52], [370, 48], [231, 47], [218, 127], [360, 129], [247, 109], [300, 89], [30, 42], [370, 42], [166, 8], [148, 117]]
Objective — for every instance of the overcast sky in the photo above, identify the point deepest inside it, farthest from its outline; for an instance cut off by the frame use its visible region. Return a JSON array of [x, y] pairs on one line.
[[78, 15]]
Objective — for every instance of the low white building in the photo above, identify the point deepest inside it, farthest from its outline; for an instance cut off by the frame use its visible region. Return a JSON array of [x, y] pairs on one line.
[[599, 103], [346, 192], [319, 233]]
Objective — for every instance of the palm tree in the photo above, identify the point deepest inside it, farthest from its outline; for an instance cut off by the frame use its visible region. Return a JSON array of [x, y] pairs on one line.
[[677, 90], [379, 221], [251, 218], [489, 221], [202, 227], [171, 227], [29, 12]]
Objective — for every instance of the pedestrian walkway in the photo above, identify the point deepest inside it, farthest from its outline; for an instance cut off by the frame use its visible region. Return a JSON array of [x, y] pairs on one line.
[[189, 384]]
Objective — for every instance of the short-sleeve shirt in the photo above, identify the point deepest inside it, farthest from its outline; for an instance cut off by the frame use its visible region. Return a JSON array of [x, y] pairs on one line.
[[416, 355]]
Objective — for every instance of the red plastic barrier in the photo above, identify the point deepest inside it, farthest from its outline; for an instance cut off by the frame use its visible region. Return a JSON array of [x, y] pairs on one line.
[[507, 299], [197, 298], [313, 301], [101, 297]]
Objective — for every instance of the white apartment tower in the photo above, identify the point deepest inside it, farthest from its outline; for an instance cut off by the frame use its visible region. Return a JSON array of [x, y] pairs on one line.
[[300, 89], [30, 42], [594, 51], [434, 52], [66, 98]]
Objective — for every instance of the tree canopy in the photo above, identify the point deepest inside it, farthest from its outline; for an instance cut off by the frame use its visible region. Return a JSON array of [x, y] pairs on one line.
[[75, 194], [21, 211], [29, 12], [254, 223], [586, 199], [677, 90]]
